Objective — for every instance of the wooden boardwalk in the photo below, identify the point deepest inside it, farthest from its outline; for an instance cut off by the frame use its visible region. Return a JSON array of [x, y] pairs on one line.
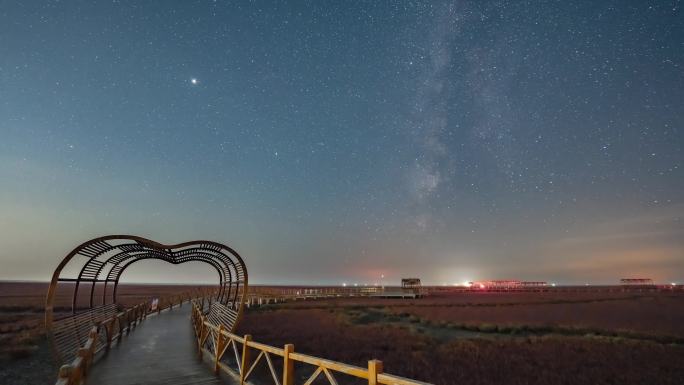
[[160, 350]]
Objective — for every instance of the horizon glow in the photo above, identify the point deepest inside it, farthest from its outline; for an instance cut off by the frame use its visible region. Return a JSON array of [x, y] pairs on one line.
[[331, 142]]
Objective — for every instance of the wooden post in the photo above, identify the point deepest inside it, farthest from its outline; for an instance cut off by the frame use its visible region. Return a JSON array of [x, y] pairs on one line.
[[288, 365], [200, 340], [374, 368], [109, 326], [218, 347], [83, 353], [121, 327], [94, 335], [65, 373], [128, 322], [244, 366]]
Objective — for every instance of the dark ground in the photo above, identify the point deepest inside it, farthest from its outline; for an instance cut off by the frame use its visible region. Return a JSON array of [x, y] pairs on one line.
[[487, 339]]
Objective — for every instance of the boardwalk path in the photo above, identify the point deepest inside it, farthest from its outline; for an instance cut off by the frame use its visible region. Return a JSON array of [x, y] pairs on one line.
[[161, 350]]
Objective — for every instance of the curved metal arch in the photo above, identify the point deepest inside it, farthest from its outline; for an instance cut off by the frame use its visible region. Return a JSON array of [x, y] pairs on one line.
[[103, 260], [200, 259]]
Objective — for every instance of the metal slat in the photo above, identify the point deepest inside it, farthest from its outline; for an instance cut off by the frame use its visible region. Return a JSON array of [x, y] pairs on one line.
[[120, 251]]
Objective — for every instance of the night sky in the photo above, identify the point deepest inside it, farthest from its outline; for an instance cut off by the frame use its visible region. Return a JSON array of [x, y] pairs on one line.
[[332, 142]]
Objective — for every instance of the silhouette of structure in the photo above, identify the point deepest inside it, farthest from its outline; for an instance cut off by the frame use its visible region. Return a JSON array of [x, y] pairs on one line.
[[637, 282], [91, 273], [164, 350], [410, 283], [506, 284]]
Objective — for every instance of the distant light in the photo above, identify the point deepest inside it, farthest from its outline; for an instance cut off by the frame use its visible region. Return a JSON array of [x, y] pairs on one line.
[[356, 284], [344, 284], [673, 284], [553, 284], [194, 81], [467, 283], [482, 286]]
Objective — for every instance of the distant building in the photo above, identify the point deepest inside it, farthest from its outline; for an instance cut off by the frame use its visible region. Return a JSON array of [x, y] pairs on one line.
[[497, 284], [506, 284], [637, 282], [410, 283], [534, 283], [369, 290]]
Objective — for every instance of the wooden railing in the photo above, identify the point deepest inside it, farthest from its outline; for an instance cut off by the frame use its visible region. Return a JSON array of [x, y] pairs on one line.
[[220, 341], [264, 295], [113, 328]]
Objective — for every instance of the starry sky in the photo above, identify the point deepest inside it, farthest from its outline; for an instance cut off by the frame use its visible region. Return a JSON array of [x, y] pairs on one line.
[[332, 142]]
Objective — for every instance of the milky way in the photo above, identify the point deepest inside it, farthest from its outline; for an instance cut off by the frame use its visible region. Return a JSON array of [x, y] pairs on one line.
[[331, 142]]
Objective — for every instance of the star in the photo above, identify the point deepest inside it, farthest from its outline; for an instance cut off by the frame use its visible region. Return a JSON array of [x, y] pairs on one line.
[[194, 81]]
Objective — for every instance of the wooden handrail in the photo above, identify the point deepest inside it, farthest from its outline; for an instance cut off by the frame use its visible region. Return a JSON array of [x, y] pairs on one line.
[[384, 378], [246, 362], [74, 373], [266, 348], [352, 370]]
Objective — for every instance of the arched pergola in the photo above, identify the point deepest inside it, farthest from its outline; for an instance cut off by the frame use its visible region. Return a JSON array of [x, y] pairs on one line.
[[90, 275]]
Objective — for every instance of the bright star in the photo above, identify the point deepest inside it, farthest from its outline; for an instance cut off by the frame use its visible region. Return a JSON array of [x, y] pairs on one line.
[[194, 81]]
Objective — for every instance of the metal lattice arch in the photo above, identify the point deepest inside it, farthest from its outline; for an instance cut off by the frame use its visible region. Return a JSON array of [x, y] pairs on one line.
[[90, 276]]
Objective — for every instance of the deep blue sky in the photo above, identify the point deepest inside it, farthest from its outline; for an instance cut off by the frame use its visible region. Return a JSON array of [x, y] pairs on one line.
[[334, 142]]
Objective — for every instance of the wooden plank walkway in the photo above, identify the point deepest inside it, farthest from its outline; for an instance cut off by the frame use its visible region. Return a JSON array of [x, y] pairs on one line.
[[161, 350]]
